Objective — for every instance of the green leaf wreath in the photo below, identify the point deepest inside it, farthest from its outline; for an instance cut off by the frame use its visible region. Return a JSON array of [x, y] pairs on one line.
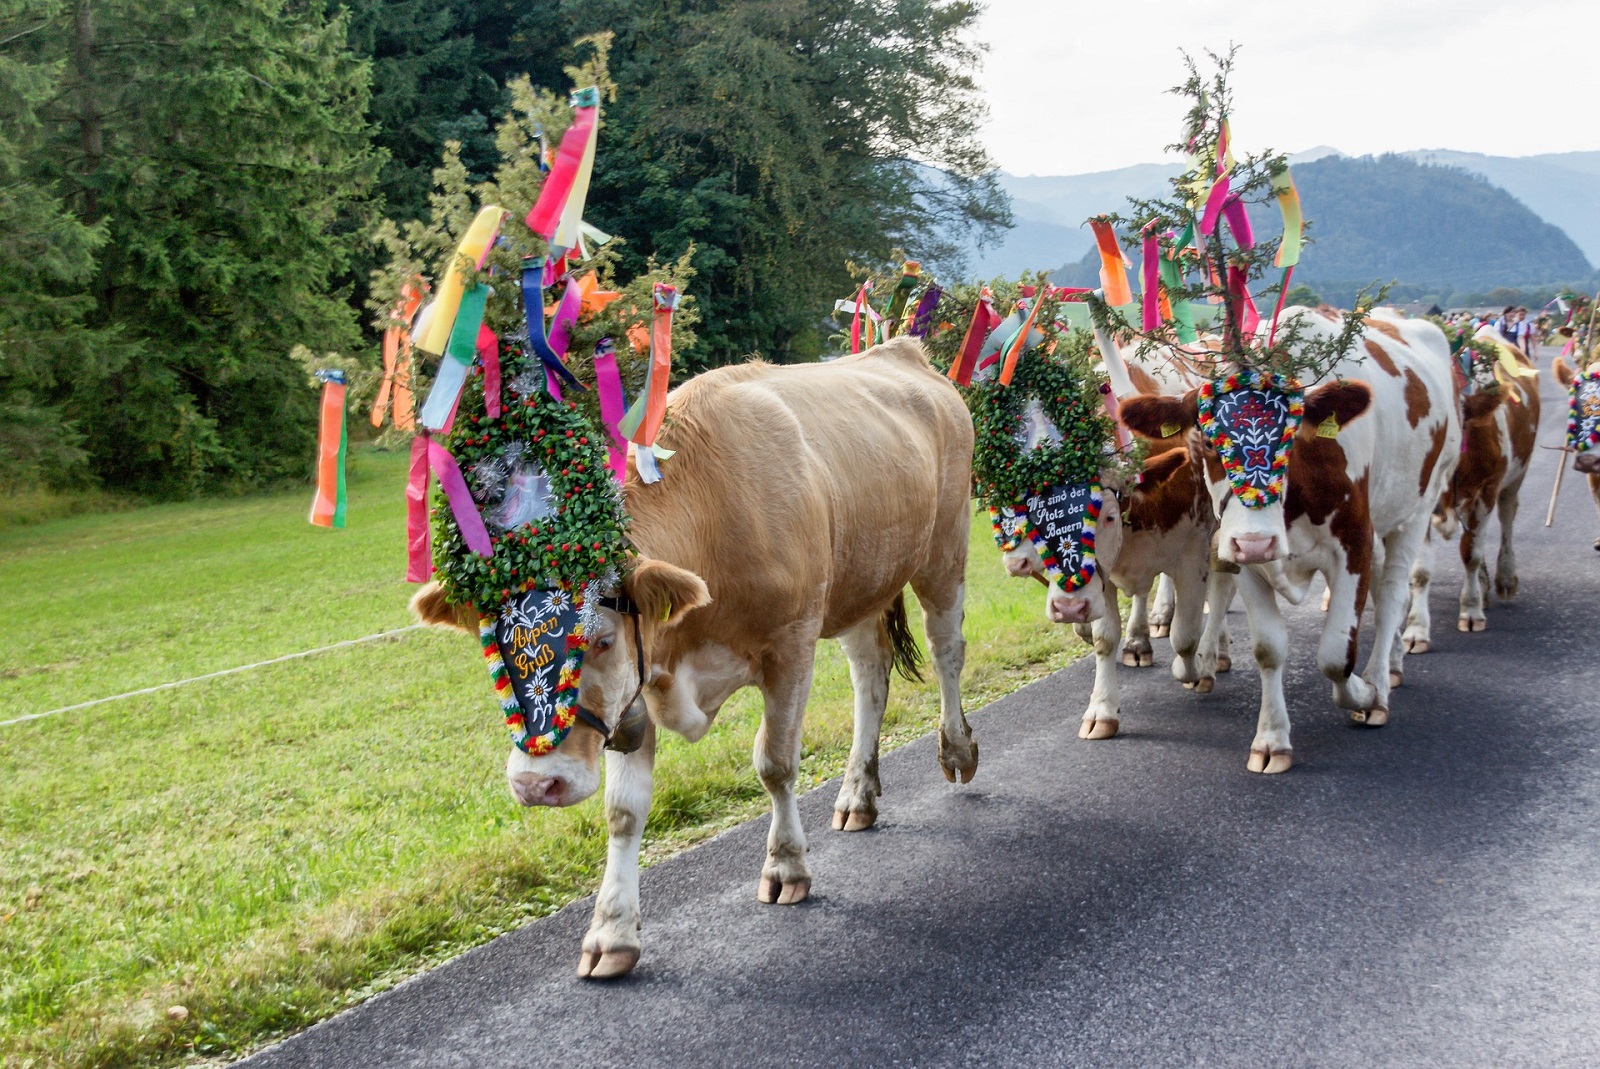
[[583, 538]]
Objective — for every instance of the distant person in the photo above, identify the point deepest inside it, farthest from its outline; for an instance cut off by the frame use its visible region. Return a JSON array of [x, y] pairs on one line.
[[1524, 333], [1507, 324]]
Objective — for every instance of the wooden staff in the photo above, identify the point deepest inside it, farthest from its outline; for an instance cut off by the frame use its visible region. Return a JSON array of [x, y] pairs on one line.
[[1550, 513]]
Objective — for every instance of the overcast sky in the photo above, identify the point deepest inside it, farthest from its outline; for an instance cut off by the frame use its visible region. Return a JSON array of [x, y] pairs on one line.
[[1364, 76]]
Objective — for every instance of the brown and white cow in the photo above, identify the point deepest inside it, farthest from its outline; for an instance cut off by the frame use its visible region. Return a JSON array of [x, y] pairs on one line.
[[800, 503], [1587, 461], [1497, 437], [1377, 477], [1162, 526]]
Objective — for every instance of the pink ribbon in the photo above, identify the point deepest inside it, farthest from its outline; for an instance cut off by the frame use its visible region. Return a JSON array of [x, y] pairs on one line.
[[1151, 281], [613, 406], [552, 384], [473, 532], [855, 320], [546, 213], [565, 319], [489, 354], [1113, 407], [1214, 205], [419, 556], [1244, 305], [1239, 223]]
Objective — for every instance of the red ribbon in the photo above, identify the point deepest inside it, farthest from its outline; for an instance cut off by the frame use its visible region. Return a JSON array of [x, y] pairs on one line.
[[984, 319], [489, 354], [419, 556], [546, 213], [1113, 269]]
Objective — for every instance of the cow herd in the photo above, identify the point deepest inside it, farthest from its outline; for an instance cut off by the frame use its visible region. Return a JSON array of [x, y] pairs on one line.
[[802, 501]]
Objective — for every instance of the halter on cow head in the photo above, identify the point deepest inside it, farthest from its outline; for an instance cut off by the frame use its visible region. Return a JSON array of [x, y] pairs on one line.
[[1242, 433], [1583, 415], [558, 765]]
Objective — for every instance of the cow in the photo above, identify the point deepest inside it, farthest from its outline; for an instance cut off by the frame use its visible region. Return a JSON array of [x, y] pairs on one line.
[[1587, 461], [800, 503], [1348, 480], [1497, 436], [1161, 525]]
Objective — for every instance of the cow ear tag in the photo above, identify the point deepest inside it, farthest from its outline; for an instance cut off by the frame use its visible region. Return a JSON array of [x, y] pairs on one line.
[[1328, 428], [1168, 430]]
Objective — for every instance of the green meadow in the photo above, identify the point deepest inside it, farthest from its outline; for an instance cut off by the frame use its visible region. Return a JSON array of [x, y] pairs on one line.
[[266, 848]]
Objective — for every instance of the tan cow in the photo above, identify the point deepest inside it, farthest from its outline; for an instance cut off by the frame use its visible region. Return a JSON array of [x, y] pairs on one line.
[[1587, 461], [1497, 434], [800, 503]]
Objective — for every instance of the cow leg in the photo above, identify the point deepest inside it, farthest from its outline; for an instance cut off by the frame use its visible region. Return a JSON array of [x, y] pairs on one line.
[[1188, 625], [611, 946], [1136, 649], [1216, 647], [1505, 569], [1594, 492], [1336, 650], [1386, 664], [943, 609], [1102, 718], [866, 647], [785, 879], [1418, 637], [1162, 608], [1270, 751], [1473, 588]]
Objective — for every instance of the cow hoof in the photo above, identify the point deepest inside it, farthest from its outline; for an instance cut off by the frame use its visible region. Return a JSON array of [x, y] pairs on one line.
[[859, 820], [1472, 623], [1095, 730], [1375, 717], [1270, 764], [951, 762], [609, 964], [1204, 684], [1506, 589], [1396, 678], [1163, 630], [1133, 657], [774, 891], [1418, 645], [1224, 663]]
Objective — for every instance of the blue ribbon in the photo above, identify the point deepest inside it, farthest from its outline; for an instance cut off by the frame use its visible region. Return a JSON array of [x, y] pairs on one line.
[[533, 311]]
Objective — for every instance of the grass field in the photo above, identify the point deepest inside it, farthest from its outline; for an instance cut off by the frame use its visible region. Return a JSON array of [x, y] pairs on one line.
[[267, 848]]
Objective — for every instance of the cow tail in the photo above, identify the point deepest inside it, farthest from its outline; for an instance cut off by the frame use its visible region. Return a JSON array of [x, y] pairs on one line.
[[906, 652]]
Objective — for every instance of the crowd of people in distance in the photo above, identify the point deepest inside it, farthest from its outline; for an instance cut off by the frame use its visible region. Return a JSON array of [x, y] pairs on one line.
[[1512, 324]]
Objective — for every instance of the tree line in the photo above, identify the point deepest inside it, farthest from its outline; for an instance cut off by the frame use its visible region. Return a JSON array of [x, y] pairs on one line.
[[189, 192]]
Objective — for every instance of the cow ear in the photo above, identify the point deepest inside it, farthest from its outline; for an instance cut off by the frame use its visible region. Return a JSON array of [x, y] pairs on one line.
[[1564, 374], [1343, 400], [432, 606], [1477, 405], [1154, 415], [664, 592], [1158, 469]]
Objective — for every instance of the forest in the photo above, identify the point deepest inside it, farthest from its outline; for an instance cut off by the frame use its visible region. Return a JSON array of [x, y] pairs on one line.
[[191, 195]]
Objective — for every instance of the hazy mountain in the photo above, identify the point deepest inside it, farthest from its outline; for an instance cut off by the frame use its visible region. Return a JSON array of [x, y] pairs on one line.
[[1372, 219], [1561, 187]]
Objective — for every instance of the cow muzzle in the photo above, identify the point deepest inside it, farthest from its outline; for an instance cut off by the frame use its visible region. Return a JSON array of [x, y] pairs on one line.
[[531, 790], [1587, 463], [1254, 549], [1063, 608]]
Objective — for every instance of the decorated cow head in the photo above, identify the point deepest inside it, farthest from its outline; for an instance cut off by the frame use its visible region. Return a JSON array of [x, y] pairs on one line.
[[1243, 432], [1583, 415]]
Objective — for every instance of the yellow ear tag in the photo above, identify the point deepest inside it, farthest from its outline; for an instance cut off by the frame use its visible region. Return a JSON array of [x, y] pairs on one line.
[[1328, 428], [666, 612], [1168, 430]]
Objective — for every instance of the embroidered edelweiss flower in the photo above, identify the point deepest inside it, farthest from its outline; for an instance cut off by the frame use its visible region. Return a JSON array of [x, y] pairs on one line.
[[556, 601]]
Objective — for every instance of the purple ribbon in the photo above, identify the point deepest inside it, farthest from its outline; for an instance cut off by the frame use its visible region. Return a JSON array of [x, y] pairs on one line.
[[922, 318], [613, 405], [445, 469], [1214, 205], [1150, 269], [1239, 223]]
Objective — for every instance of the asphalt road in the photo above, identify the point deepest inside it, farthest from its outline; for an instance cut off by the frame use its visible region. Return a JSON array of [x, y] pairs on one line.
[[1425, 894]]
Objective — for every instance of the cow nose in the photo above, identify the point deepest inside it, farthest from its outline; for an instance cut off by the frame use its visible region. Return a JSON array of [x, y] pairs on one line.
[[1018, 566], [1587, 463], [530, 790], [1255, 549], [1064, 610]]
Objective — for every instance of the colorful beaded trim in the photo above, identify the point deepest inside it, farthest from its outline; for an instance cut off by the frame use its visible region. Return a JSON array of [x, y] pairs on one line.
[[1086, 568], [1583, 412], [1258, 491], [565, 699], [1011, 526]]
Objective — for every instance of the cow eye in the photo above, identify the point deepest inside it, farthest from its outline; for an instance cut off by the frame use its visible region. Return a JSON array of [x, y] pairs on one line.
[[604, 642]]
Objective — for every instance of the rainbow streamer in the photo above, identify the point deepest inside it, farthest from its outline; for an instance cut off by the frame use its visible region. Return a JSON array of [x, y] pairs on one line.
[[328, 506], [643, 421], [1293, 225], [436, 323], [1113, 266], [565, 189]]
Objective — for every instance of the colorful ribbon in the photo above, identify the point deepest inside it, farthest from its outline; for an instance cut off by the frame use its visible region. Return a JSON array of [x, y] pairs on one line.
[[984, 319], [1150, 281], [533, 313], [433, 334], [1293, 225], [397, 361], [643, 420], [1113, 267], [328, 506], [922, 318], [489, 357], [419, 556], [568, 180], [1019, 342], [902, 294], [613, 406], [856, 318], [445, 469], [459, 353]]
